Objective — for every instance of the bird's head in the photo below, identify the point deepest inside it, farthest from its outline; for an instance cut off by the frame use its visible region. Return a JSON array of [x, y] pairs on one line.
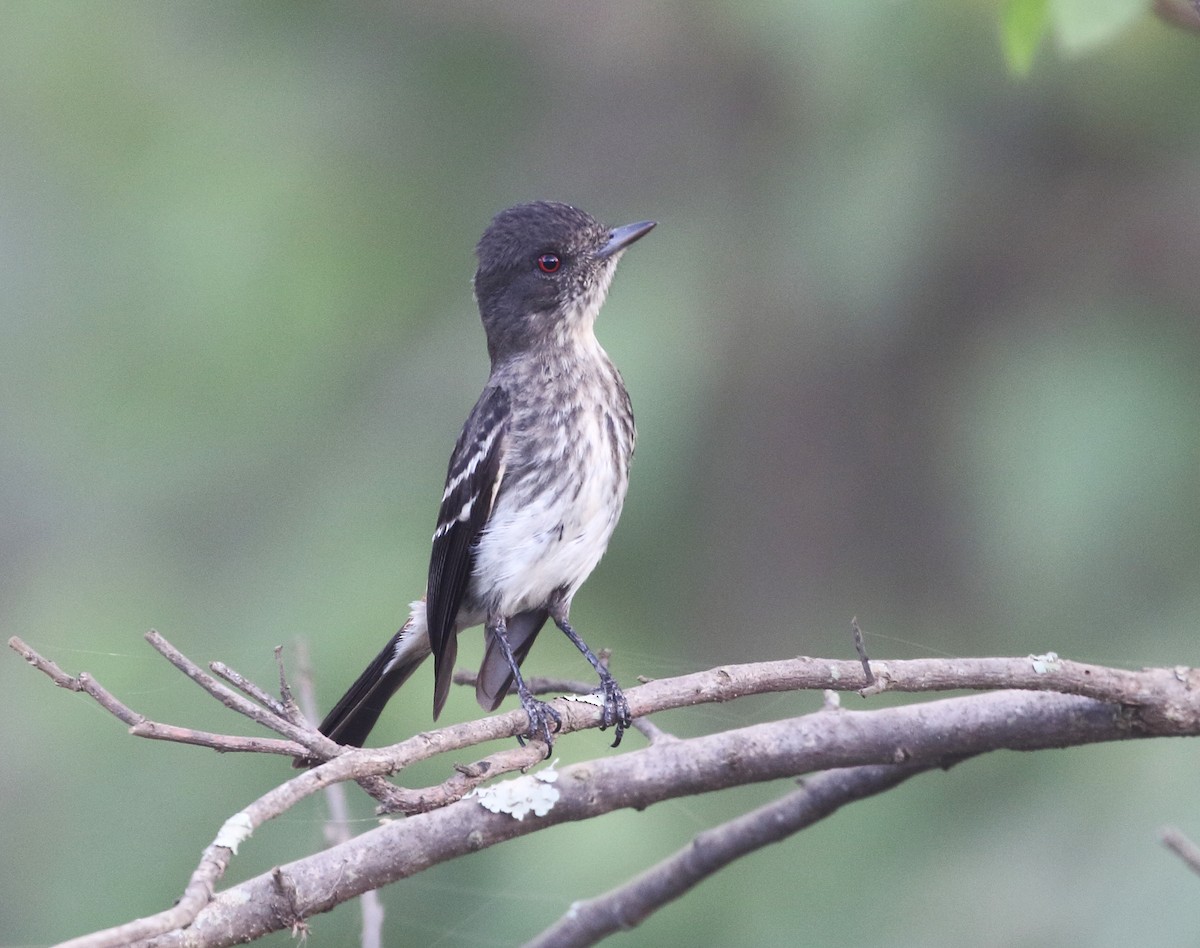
[[544, 271]]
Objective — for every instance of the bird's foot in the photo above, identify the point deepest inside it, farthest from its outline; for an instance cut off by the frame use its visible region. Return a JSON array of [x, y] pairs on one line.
[[615, 712], [541, 716]]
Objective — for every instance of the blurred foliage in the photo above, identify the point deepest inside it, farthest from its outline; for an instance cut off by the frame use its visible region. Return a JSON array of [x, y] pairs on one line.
[[1023, 25], [913, 341], [1080, 26]]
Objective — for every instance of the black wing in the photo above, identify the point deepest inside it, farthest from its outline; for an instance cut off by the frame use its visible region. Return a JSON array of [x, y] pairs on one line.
[[476, 470]]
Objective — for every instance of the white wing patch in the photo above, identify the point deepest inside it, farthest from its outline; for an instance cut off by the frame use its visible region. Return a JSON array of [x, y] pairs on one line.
[[481, 452]]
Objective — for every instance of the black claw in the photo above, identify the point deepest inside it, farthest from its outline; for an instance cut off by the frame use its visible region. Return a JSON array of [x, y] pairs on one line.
[[615, 709], [540, 716]]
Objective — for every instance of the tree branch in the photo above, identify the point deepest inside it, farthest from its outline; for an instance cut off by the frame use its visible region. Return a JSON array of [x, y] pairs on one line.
[[1064, 704], [628, 905], [934, 734]]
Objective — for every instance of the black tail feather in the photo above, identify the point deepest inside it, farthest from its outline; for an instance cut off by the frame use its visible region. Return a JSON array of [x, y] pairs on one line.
[[353, 717]]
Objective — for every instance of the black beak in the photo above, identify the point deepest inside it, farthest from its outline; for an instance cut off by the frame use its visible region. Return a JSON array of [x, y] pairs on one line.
[[622, 237]]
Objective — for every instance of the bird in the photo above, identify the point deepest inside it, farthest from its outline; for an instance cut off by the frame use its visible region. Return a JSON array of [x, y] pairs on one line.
[[536, 481]]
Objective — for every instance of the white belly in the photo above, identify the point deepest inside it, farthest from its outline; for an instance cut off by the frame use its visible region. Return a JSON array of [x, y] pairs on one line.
[[540, 541]]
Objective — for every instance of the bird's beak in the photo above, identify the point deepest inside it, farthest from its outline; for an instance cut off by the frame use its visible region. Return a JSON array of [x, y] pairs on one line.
[[622, 237]]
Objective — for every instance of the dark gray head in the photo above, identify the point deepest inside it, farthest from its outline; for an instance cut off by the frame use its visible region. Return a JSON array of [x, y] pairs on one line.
[[544, 270]]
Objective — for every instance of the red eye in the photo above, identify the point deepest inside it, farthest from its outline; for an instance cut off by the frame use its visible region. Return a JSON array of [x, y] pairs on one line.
[[549, 262]]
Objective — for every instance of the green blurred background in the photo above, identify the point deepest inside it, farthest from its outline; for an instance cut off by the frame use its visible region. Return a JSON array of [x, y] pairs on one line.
[[914, 340]]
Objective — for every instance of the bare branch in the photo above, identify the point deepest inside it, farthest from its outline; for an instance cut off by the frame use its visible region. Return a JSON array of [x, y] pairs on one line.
[[225, 743], [860, 646], [466, 778], [248, 687], [291, 710], [628, 905], [1172, 692], [1152, 702], [141, 726], [85, 683], [227, 697], [337, 830]]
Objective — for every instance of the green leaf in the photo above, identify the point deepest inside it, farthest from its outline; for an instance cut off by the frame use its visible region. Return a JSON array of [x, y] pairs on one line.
[[1082, 25], [1022, 26]]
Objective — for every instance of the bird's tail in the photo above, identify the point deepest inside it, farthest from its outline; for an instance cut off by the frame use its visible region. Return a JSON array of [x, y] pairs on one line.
[[355, 714]]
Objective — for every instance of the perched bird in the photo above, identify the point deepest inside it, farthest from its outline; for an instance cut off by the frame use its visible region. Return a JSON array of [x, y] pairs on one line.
[[536, 481]]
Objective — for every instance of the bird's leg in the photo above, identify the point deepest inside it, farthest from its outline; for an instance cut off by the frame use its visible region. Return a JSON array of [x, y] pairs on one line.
[[540, 714], [615, 709]]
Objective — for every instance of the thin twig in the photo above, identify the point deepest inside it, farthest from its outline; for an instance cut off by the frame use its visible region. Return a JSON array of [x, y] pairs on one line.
[[860, 646], [139, 724], [226, 695], [83, 682], [224, 743], [291, 710], [337, 827], [311, 740], [250, 688], [466, 778]]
